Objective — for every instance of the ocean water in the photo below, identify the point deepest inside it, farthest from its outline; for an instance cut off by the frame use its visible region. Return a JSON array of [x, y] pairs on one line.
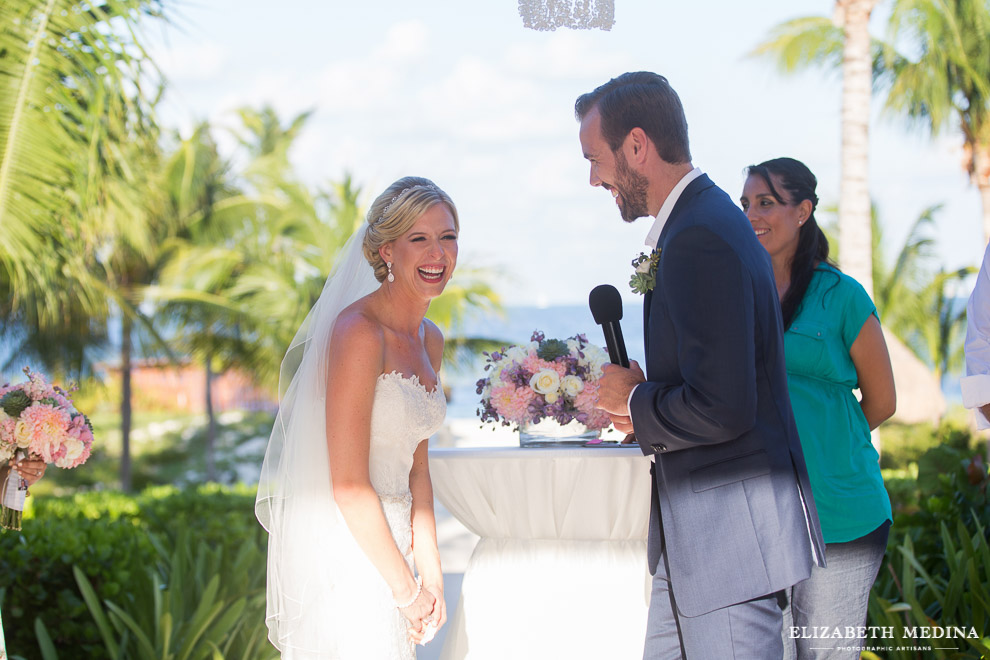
[[561, 321]]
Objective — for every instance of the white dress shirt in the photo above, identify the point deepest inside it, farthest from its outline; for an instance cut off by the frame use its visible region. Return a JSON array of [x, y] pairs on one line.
[[976, 383]]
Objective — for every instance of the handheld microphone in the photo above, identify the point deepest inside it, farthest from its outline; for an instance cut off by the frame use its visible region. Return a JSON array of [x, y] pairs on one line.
[[606, 307]]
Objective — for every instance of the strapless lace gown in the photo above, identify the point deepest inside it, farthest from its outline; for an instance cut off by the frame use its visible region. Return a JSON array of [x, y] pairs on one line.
[[365, 624]]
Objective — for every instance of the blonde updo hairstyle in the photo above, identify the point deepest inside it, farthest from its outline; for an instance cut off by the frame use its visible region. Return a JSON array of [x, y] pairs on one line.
[[395, 211]]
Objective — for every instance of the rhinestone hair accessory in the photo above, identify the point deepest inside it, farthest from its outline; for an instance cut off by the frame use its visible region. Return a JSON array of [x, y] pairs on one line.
[[400, 194], [574, 14]]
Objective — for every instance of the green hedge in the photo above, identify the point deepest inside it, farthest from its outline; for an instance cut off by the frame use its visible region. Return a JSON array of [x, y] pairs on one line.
[[37, 580], [936, 572], [152, 561]]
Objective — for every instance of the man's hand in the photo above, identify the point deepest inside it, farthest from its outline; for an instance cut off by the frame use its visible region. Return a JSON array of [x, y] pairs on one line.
[[613, 393]]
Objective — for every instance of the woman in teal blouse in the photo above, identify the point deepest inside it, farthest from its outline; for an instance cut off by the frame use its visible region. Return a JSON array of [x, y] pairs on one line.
[[833, 345]]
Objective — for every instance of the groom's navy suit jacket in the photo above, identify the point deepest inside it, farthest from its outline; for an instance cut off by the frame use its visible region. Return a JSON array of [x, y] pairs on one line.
[[736, 517]]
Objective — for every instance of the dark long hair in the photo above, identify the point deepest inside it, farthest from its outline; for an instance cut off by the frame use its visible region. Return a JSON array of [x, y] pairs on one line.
[[812, 248]]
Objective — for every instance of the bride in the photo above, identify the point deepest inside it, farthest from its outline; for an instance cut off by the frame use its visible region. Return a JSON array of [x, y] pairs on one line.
[[345, 490]]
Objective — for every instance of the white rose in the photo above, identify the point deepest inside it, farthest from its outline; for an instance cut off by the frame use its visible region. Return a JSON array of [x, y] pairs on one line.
[[571, 385], [644, 267], [516, 354], [22, 434], [73, 450], [545, 381], [574, 346], [595, 358], [551, 397]]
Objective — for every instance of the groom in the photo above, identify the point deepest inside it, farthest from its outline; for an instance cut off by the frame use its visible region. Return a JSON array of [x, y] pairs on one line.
[[733, 521]]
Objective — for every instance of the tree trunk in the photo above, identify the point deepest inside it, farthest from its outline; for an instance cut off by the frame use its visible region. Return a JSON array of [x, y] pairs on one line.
[[126, 325], [855, 236], [211, 426]]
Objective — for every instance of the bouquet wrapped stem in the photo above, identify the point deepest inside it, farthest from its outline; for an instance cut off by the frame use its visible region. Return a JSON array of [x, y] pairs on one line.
[[14, 496]]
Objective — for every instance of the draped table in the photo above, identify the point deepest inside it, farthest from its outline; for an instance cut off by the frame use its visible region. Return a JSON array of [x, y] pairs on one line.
[[560, 568]]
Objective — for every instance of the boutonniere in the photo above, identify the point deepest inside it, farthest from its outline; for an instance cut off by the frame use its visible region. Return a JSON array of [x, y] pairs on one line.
[[644, 276]]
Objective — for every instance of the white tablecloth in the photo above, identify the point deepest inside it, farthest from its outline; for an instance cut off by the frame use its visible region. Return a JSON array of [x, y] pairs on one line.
[[560, 569]]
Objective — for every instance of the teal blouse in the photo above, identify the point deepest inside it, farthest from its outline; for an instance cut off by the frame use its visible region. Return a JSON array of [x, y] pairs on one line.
[[843, 465]]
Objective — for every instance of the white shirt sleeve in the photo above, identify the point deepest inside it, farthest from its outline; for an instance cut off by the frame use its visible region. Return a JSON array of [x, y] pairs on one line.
[[976, 383]]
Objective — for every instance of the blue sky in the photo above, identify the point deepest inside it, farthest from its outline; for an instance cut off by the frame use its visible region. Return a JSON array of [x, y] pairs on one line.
[[462, 93]]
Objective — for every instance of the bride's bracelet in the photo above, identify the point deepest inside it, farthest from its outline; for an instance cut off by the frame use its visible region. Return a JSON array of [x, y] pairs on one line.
[[419, 590]]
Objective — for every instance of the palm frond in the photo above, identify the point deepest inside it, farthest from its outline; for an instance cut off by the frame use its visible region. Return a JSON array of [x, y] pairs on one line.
[[945, 75], [803, 43], [53, 55]]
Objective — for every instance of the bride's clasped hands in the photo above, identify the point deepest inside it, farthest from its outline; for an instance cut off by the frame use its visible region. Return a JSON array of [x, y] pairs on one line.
[[426, 615]]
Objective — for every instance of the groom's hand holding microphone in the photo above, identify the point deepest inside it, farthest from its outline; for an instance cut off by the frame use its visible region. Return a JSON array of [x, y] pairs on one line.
[[621, 376]]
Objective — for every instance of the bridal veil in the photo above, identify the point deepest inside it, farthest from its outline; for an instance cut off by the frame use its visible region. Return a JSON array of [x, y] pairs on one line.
[[295, 497]]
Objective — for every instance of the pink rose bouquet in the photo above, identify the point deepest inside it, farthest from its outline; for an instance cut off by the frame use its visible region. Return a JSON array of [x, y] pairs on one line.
[[38, 420], [546, 378]]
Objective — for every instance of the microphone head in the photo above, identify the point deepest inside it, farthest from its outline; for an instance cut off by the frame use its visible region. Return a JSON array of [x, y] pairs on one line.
[[605, 303]]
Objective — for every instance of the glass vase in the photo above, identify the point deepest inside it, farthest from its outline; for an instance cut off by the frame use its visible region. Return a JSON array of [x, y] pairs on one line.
[[549, 432]]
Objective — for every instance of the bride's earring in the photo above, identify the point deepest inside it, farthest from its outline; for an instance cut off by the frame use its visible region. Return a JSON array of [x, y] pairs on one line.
[[391, 277]]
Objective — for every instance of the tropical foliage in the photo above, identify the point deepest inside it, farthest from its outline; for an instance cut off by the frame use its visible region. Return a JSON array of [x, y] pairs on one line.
[[932, 68], [936, 68], [70, 74], [842, 43], [120, 235], [935, 573], [918, 303], [164, 574]]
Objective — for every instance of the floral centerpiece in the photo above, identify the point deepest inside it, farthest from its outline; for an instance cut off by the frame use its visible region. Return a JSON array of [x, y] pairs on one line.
[[546, 379], [38, 420]]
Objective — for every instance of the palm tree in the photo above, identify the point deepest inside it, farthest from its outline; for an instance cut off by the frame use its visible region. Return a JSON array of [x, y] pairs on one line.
[[940, 77], [854, 190], [942, 337], [54, 60], [197, 179], [841, 43], [76, 134], [242, 280], [896, 285], [934, 66], [917, 303]]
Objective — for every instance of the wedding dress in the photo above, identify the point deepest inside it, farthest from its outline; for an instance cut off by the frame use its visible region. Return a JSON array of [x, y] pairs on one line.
[[353, 615], [365, 622], [326, 600]]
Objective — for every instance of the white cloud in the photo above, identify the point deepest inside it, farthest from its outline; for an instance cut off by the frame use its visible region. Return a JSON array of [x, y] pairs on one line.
[[373, 82], [406, 41]]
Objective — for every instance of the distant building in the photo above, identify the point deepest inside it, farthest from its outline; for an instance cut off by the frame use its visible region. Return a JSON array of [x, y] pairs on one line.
[[159, 384], [919, 394]]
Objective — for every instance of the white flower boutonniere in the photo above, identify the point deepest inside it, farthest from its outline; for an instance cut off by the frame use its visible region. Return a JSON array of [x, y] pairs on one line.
[[644, 277]]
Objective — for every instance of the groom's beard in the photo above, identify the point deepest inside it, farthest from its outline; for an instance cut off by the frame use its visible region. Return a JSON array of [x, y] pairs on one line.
[[632, 187]]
